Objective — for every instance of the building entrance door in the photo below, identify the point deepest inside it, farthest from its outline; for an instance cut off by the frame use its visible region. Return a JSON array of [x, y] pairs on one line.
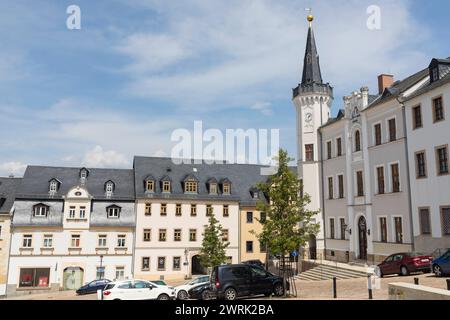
[[362, 228], [73, 278]]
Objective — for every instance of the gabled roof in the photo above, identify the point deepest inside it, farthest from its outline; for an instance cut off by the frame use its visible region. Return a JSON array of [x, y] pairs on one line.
[[8, 190], [190, 177]]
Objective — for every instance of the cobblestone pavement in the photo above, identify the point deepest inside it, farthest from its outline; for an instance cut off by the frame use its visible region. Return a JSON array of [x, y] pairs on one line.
[[348, 289]]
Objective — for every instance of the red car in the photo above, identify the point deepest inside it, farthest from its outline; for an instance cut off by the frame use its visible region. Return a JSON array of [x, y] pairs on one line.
[[405, 263]]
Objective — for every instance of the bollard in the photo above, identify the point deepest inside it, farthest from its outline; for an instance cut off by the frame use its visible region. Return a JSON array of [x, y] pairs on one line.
[[416, 281], [448, 284], [369, 286], [334, 288]]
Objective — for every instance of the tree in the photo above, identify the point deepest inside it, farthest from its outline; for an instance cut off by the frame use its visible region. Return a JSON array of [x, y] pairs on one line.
[[213, 247], [289, 224]]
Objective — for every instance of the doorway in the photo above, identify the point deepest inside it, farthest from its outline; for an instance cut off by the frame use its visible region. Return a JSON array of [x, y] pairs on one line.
[[362, 232], [197, 268], [73, 278], [312, 245]]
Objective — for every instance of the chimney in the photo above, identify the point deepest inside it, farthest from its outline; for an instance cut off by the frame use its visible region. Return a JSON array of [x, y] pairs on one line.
[[384, 81]]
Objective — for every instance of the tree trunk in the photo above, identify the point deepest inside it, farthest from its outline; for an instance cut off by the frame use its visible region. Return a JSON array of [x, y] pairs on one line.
[[284, 274]]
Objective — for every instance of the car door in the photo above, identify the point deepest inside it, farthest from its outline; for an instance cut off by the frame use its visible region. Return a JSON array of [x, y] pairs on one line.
[[124, 291], [386, 266], [397, 263], [261, 282], [446, 263], [241, 280], [143, 290]]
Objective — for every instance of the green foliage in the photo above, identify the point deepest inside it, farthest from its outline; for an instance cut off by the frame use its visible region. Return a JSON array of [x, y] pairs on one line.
[[213, 247], [289, 223]]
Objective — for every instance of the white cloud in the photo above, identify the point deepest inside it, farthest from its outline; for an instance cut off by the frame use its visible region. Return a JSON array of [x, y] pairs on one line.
[[264, 107], [98, 158], [15, 168]]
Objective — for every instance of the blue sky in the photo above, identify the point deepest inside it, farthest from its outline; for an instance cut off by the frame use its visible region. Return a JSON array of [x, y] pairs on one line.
[[138, 69]]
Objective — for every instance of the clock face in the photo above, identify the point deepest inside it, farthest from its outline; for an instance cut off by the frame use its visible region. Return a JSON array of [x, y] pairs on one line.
[[308, 117]]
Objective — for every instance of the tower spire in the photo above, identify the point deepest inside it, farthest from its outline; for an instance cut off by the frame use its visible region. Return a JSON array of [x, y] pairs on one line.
[[311, 65]]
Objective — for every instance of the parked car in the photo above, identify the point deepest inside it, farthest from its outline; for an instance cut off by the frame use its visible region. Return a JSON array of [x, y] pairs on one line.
[[237, 280], [405, 263], [441, 265], [136, 290], [201, 292], [181, 292], [92, 286], [254, 262], [161, 283]]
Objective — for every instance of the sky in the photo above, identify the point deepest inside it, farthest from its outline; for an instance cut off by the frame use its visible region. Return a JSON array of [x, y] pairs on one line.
[[139, 69]]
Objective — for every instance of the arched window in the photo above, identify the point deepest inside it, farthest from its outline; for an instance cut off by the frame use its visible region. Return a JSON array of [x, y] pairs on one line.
[[357, 141]]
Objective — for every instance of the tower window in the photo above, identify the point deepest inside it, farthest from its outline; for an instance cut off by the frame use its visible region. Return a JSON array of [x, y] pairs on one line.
[[309, 152]]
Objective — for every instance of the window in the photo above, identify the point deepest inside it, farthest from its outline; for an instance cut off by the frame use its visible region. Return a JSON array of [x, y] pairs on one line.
[[192, 235], [383, 229], [395, 178], [442, 160], [226, 188], [309, 152], [209, 210], [445, 221], [102, 240], [339, 147], [359, 184], [121, 241], [82, 212], [145, 263], [162, 234], [177, 235], [72, 212], [249, 246], [178, 210], [341, 186], [434, 75], [329, 150], [438, 109], [417, 117], [75, 241], [40, 210], [166, 186], [120, 273], [377, 129], [163, 209], [225, 235], [193, 210], [109, 188], [330, 188], [150, 186], [249, 217], [34, 277], [53, 188], [213, 188], [113, 212], [176, 263], [380, 179], [392, 130], [148, 209], [421, 166], [332, 230], [147, 235], [262, 217], [343, 226], [190, 186], [357, 141], [48, 241], [226, 212], [398, 230], [161, 263], [424, 217]]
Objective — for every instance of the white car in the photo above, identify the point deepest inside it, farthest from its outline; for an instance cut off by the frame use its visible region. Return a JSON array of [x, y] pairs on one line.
[[135, 290], [181, 292]]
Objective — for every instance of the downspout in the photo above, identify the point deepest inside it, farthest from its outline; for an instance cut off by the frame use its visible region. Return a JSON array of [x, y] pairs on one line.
[[408, 177], [322, 187]]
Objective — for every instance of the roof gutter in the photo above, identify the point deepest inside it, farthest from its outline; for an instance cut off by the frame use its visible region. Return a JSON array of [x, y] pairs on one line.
[[408, 177]]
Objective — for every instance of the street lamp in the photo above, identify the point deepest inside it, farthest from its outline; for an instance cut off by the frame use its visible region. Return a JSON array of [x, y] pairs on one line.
[[186, 262], [102, 273]]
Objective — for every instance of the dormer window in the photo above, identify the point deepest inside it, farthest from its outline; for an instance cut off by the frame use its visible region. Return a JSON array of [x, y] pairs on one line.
[[83, 174], [434, 74], [109, 188], [255, 195], [40, 210], [226, 188], [166, 186], [213, 188], [190, 186], [150, 186], [113, 212], [53, 186]]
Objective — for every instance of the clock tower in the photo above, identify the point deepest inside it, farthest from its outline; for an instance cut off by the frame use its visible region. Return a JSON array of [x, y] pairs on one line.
[[312, 99]]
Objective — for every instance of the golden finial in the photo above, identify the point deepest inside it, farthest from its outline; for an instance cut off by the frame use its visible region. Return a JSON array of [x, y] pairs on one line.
[[310, 17]]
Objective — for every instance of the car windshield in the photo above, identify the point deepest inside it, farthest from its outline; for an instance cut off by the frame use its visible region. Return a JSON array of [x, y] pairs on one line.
[[416, 254]]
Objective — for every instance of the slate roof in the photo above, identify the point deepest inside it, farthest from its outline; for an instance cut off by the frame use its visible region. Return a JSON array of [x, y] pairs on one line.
[[8, 189], [36, 182], [242, 177], [99, 216]]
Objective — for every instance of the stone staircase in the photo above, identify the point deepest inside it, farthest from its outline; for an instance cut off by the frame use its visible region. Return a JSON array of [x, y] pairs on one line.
[[326, 272]]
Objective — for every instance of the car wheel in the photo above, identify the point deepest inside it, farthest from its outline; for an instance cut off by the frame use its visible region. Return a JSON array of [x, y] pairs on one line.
[[437, 270], [206, 295], [404, 271], [163, 297], [230, 294], [182, 295], [278, 289]]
